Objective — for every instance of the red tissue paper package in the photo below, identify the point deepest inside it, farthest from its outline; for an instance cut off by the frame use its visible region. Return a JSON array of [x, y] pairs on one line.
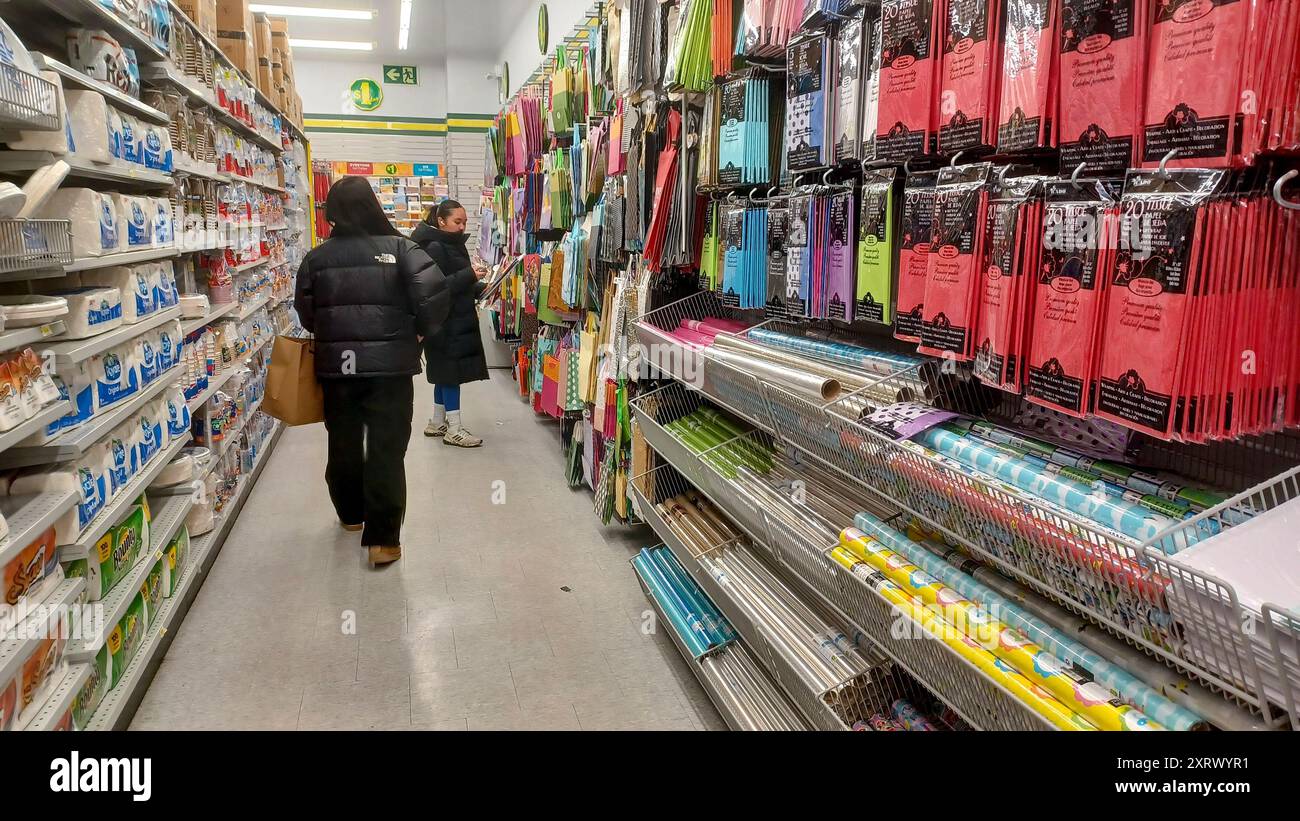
[[1270, 88], [913, 253], [909, 73], [970, 72], [1027, 99], [1194, 94], [1012, 251], [952, 274], [1102, 68], [1080, 232]]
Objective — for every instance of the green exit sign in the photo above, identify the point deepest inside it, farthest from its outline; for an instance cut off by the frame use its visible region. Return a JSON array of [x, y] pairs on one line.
[[401, 75]]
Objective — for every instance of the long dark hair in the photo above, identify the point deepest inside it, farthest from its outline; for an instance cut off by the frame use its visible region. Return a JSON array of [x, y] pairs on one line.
[[353, 210], [441, 211]]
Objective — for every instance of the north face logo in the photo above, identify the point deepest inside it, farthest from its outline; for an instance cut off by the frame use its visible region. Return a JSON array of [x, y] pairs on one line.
[[388, 258]]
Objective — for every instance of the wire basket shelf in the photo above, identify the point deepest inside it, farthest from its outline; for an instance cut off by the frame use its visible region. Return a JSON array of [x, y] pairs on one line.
[[27, 245], [27, 101]]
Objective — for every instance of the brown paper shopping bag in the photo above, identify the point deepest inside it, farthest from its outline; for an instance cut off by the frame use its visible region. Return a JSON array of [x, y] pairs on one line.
[[292, 393]]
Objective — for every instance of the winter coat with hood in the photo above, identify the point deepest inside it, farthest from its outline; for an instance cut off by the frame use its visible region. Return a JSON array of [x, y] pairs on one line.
[[454, 355], [365, 298]]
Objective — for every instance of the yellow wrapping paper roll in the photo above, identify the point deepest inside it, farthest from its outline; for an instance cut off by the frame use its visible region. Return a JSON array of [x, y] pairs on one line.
[[1033, 696], [1084, 697]]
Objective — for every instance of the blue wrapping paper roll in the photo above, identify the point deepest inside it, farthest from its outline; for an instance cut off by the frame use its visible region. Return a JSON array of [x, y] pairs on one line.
[[690, 636], [877, 362], [714, 622], [1118, 680]]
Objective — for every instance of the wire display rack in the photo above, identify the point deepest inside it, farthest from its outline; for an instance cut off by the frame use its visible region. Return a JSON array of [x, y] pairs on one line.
[[802, 555], [29, 245], [27, 101]]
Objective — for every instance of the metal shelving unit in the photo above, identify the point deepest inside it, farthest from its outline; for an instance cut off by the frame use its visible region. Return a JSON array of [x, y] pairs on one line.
[[121, 258], [214, 384], [22, 337], [73, 351], [253, 307], [112, 93], [18, 644], [45, 416], [120, 172], [61, 698], [26, 98], [215, 312], [30, 516], [34, 248], [120, 703]]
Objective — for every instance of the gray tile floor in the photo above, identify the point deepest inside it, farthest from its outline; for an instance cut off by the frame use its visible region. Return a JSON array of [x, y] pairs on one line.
[[523, 615]]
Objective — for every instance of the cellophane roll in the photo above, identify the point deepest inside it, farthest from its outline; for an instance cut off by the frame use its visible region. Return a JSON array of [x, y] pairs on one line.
[[823, 388]]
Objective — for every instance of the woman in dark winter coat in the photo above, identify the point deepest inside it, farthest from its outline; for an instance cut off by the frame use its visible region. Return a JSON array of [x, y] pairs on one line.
[[454, 355], [368, 295]]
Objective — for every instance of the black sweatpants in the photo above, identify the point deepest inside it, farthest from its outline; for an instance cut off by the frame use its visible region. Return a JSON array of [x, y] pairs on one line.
[[369, 424]]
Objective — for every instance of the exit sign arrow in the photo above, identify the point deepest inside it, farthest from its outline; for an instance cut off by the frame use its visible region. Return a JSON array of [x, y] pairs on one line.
[[401, 75]]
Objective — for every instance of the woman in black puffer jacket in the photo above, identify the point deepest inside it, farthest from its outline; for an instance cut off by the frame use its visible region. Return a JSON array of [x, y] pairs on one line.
[[454, 355], [368, 295]]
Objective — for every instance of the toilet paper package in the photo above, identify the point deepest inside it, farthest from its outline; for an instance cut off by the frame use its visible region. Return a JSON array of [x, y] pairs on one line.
[[135, 285], [178, 416], [132, 140], [42, 666], [28, 574], [123, 459], [170, 343], [92, 310], [175, 559], [74, 383], [153, 431], [165, 291], [94, 126], [59, 141], [164, 224], [137, 222], [115, 375], [93, 216], [156, 147], [113, 555]]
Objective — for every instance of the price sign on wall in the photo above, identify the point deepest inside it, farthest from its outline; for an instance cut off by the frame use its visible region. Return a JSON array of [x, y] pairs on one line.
[[366, 95]]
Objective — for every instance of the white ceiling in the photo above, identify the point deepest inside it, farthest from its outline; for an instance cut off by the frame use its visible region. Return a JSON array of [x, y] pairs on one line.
[[474, 30]]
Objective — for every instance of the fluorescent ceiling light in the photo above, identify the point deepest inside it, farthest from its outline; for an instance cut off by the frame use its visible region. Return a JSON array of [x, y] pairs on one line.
[[313, 11], [404, 26], [350, 45]]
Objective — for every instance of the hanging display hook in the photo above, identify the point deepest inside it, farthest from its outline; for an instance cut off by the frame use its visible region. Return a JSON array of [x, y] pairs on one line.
[[1173, 152], [953, 163], [907, 166], [1277, 190], [826, 178], [750, 196], [770, 192], [1074, 176]]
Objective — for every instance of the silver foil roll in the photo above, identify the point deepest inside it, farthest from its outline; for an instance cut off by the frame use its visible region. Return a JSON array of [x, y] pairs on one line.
[[823, 388]]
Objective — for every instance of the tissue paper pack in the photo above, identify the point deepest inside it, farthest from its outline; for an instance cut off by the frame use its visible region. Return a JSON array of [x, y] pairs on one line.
[[170, 342], [92, 310], [115, 378], [115, 136], [93, 216], [132, 140], [113, 555], [95, 133], [175, 558]]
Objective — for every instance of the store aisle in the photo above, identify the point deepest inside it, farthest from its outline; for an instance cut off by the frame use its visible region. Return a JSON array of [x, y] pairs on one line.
[[523, 615]]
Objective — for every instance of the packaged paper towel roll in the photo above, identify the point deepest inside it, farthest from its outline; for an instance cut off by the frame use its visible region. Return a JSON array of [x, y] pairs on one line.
[[123, 460], [164, 224], [137, 290], [56, 142], [157, 147], [115, 375], [165, 293], [170, 342], [46, 391], [146, 352], [132, 140], [92, 310], [94, 126], [137, 219], [11, 403], [152, 432], [178, 416], [93, 216]]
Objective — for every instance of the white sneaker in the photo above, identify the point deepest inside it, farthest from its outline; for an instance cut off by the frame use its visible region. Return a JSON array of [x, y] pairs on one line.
[[435, 428], [461, 438]]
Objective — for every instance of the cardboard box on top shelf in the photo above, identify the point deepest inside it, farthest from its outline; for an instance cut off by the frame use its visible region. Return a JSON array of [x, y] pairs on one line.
[[203, 13], [234, 16], [279, 25], [262, 36], [277, 77], [264, 78], [239, 48]]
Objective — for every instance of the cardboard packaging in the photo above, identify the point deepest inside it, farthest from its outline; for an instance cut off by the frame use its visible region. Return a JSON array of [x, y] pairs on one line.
[[262, 36], [203, 13]]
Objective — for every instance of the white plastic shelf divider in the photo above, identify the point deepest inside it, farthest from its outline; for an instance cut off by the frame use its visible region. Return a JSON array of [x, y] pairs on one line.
[[169, 514], [29, 516], [61, 698], [123, 258], [80, 168], [214, 385], [215, 312], [114, 94], [10, 438], [15, 645], [114, 511], [260, 302], [73, 351], [120, 703], [22, 337]]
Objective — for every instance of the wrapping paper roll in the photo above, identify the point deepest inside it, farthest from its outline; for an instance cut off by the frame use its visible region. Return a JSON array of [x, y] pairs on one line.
[[715, 626], [689, 629], [1033, 696], [714, 326], [1084, 697], [879, 363], [905, 713], [823, 388], [1120, 682]]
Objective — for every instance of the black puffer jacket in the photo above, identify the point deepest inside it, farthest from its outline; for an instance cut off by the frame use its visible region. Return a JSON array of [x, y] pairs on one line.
[[454, 355], [365, 299]]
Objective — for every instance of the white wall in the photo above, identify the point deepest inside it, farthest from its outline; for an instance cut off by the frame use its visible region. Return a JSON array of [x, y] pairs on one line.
[[325, 88], [469, 89], [519, 33]]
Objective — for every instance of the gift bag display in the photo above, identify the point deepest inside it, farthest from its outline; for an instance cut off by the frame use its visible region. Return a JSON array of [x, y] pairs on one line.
[[293, 395]]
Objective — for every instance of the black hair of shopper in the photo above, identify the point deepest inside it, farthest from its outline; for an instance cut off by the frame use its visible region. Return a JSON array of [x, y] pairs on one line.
[[441, 211], [352, 208]]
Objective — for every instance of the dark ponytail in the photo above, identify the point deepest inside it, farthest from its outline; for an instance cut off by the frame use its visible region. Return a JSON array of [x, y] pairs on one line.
[[441, 211]]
